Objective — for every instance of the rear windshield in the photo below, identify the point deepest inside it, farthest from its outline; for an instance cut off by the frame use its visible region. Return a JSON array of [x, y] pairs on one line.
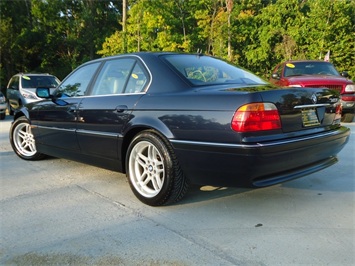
[[206, 70], [39, 81]]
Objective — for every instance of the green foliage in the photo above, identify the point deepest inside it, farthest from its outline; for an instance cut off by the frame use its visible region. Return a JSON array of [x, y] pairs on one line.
[[58, 35], [53, 36], [112, 45]]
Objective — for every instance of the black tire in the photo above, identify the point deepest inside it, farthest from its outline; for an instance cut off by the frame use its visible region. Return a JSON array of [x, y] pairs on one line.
[[153, 171], [2, 116], [22, 140], [347, 118]]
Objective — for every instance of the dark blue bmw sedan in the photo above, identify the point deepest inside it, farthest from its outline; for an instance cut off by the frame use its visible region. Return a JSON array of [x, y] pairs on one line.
[[169, 120]]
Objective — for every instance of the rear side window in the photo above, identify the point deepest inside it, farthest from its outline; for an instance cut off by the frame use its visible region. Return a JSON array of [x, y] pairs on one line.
[[122, 75], [113, 76], [78, 82], [137, 80]]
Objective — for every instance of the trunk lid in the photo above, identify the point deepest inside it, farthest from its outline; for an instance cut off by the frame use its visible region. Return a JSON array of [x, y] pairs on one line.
[[303, 109]]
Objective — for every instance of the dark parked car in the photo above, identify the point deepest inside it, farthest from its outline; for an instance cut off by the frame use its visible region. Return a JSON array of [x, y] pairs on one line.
[[169, 120], [317, 74], [3, 106], [21, 88]]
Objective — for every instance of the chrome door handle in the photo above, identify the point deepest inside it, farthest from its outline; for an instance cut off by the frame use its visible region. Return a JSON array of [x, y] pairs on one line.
[[121, 108]]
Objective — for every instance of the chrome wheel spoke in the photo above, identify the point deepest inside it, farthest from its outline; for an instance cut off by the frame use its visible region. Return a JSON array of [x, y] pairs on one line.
[[146, 169], [23, 140], [156, 181], [151, 152], [32, 146], [142, 160], [22, 134]]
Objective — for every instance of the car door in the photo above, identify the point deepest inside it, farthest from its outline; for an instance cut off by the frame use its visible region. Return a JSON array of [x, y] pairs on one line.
[[56, 119], [103, 114]]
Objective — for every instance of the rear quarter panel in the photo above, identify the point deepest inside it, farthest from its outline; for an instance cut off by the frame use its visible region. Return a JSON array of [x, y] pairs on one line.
[[193, 116]]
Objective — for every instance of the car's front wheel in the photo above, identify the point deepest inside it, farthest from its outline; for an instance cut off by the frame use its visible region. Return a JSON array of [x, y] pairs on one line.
[[22, 140], [153, 171]]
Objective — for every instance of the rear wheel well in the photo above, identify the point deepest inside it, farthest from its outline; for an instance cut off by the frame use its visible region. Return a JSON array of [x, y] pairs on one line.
[[127, 140], [153, 171]]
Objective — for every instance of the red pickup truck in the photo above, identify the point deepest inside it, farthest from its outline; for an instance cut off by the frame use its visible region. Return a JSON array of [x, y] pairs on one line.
[[316, 74]]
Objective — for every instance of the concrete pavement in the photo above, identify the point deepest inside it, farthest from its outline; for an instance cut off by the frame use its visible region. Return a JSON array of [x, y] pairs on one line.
[[59, 212]]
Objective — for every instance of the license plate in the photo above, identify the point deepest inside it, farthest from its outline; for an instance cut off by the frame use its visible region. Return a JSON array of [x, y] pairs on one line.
[[310, 118]]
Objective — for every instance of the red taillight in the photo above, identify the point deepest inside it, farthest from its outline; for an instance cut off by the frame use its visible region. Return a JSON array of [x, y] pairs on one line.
[[348, 98], [256, 117], [338, 111]]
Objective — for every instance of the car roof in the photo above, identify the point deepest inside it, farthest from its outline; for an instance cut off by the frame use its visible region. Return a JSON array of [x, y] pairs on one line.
[[139, 54], [34, 74]]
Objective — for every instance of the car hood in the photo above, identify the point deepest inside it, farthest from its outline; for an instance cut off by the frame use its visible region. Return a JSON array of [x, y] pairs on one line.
[[319, 80], [33, 90]]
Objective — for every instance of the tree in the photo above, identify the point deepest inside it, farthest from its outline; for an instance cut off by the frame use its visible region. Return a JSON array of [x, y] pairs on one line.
[[154, 26], [276, 35], [58, 35], [332, 27], [206, 21], [54, 36], [15, 17]]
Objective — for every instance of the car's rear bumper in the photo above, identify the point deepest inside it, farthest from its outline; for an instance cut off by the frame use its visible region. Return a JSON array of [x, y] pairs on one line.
[[259, 164], [348, 107]]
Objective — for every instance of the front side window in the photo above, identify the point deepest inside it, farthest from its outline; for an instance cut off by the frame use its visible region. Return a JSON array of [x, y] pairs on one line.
[[77, 83], [14, 83], [279, 70]]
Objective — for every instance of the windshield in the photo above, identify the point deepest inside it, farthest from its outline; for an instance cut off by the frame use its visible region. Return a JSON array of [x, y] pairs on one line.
[[206, 70], [39, 81], [309, 68]]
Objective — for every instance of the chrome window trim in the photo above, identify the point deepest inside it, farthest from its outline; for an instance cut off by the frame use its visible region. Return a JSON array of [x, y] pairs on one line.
[[115, 94]]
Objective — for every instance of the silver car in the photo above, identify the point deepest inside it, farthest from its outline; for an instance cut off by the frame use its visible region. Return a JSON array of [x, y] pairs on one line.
[[3, 106], [21, 88]]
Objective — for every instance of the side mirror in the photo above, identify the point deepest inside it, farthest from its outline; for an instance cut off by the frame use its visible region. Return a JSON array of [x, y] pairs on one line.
[[275, 76], [344, 74], [43, 93]]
